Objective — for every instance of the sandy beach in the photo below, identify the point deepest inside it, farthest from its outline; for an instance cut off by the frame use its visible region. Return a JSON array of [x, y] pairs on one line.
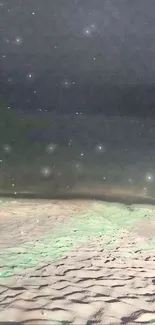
[[76, 262]]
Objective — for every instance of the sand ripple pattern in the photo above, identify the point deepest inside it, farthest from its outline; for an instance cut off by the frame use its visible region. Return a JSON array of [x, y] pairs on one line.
[[89, 285]]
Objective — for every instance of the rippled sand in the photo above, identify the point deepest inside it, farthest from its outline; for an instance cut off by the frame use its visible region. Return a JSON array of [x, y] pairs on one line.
[[76, 262]]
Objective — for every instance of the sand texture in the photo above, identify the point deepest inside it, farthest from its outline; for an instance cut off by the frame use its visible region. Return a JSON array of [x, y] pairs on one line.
[[76, 262]]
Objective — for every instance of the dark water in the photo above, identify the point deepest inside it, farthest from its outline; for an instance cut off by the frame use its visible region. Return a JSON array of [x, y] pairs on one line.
[[78, 156]]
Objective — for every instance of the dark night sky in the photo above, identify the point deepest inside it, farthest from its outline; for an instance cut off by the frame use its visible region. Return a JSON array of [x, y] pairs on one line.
[[81, 57], [69, 56]]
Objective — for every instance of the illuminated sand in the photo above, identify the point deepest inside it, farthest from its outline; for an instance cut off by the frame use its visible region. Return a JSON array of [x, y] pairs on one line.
[[76, 262]]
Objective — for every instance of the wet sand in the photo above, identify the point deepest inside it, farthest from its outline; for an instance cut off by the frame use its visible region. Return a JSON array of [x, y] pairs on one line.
[[76, 262]]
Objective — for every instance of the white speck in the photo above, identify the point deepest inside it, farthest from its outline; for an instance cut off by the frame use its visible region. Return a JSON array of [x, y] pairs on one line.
[[87, 32], [50, 148], [30, 76], [145, 191], [46, 171], [66, 83], [18, 41], [100, 149], [7, 148], [149, 177], [78, 168]]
